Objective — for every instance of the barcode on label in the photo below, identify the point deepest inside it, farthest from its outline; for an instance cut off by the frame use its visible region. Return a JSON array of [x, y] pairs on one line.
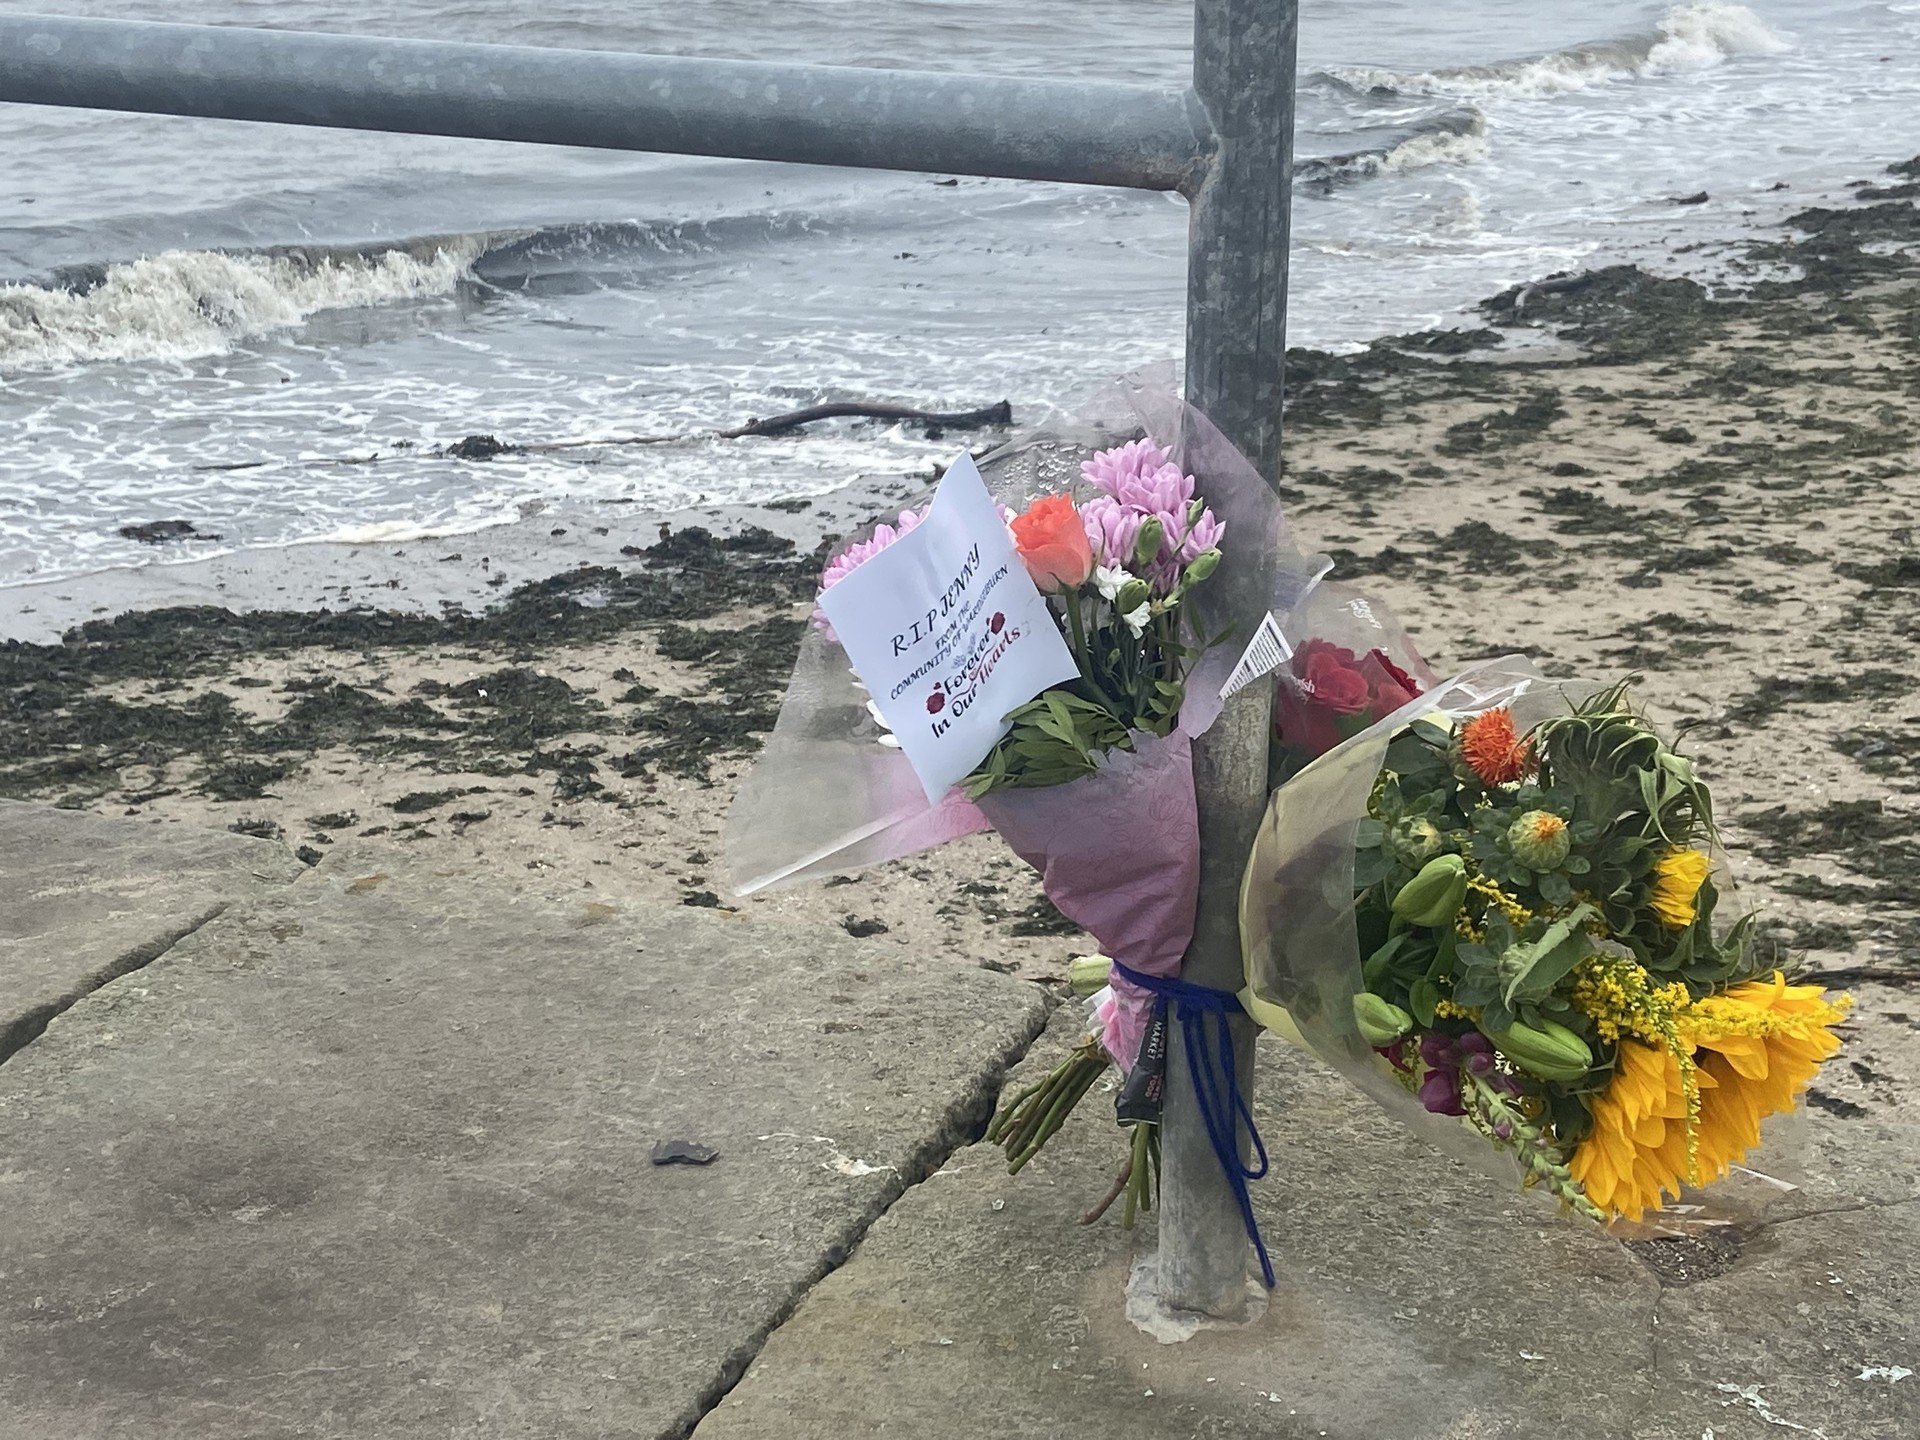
[[1267, 652]]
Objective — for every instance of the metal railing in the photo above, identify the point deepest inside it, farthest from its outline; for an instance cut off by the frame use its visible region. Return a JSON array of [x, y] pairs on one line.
[[1225, 143]]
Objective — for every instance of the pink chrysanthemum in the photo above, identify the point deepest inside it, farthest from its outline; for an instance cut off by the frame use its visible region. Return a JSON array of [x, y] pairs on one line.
[[861, 551], [1137, 482], [1111, 469], [858, 553]]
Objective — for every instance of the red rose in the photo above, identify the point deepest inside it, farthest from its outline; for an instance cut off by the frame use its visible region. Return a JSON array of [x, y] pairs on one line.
[[1400, 677], [1332, 679], [1303, 727], [1392, 686]]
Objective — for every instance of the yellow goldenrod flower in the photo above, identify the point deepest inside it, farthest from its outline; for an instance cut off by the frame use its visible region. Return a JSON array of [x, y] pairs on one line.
[[1518, 915], [1619, 995], [1683, 1113], [1677, 878]]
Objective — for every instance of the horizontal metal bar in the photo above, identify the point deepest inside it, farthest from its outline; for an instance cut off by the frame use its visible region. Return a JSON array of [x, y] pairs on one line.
[[1088, 132]]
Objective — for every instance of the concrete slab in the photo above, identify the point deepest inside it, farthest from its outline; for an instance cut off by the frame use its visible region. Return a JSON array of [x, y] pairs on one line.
[[1811, 1334], [85, 898], [1418, 1301], [370, 1157]]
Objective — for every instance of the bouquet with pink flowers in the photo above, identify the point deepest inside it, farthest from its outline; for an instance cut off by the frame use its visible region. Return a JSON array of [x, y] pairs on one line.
[[1090, 780]]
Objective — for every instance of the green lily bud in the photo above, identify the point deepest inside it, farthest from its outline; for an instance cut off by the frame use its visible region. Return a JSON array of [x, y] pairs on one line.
[[1435, 895], [1380, 1021], [1549, 1050], [1540, 840], [1146, 549], [1202, 565], [1132, 596], [1088, 973]]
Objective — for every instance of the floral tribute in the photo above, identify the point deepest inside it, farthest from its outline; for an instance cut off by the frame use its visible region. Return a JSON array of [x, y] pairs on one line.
[[1092, 783], [1116, 571], [1535, 912]]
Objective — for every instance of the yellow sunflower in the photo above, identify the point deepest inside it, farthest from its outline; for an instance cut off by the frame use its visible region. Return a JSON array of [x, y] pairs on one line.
[[1750, 1051], [1677, 878], [1638, 1145], [1759, 1044]]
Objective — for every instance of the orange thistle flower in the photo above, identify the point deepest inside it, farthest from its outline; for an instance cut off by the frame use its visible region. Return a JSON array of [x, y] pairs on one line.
[[1494, 749]]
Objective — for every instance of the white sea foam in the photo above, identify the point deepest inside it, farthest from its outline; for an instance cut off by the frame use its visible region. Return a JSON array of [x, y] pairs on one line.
[[185, 304], [1686, 38], [1696, 37], [1435, 148], [399, 532]]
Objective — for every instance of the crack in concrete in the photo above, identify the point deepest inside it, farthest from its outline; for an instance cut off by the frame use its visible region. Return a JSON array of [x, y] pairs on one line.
[[1862, 1206], [30, 1024], [1656, 1350], [1656, 1353], [965, 1118]]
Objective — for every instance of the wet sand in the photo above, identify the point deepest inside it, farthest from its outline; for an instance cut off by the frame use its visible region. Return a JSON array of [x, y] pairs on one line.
[[1615, 473]]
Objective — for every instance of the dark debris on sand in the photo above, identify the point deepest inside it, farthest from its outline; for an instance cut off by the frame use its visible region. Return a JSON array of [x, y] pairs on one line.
[[76, 715]]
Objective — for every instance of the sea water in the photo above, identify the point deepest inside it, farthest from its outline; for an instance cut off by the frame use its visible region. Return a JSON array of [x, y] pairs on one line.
[[218, 322]]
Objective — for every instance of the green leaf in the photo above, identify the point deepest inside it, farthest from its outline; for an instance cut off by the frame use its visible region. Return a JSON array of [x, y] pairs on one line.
[[1444, 956], [1536, 966], [1370, 867], [1377, 965], [1424, 996]]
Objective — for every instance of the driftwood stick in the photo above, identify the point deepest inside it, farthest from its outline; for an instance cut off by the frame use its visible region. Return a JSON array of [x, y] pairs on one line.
[[1001, 414]]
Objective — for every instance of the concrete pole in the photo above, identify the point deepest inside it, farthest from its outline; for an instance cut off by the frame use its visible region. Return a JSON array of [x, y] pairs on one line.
[[1243, 72]]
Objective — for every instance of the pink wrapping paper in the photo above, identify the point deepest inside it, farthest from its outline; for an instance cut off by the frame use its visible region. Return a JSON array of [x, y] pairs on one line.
[[1119, 853]]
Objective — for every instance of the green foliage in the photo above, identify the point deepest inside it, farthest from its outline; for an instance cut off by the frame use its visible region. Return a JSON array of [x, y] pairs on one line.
[[1130, 680], [1057, 737]]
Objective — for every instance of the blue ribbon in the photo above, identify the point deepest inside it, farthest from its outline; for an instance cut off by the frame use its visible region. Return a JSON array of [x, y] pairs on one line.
[[1216, 1085]]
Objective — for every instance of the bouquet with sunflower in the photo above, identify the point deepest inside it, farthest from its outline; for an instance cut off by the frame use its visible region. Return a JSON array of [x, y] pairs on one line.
[[1495, 909]]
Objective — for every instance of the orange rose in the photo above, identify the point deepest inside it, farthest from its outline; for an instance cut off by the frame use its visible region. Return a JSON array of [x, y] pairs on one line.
[[1053, 543]]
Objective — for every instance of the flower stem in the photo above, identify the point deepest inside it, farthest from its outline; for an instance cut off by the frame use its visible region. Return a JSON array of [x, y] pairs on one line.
[[1029, 1120], [1066, 1096], [1143, 1173], [1502, 1122], [997, 1131]]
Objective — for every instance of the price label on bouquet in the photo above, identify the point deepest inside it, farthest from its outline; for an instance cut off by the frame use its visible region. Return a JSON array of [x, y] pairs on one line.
[[948, 632]]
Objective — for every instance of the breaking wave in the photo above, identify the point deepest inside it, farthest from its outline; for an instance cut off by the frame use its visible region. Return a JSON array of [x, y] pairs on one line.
[[1686, 38], [190, 304], [187, 304], [1455, 138]]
